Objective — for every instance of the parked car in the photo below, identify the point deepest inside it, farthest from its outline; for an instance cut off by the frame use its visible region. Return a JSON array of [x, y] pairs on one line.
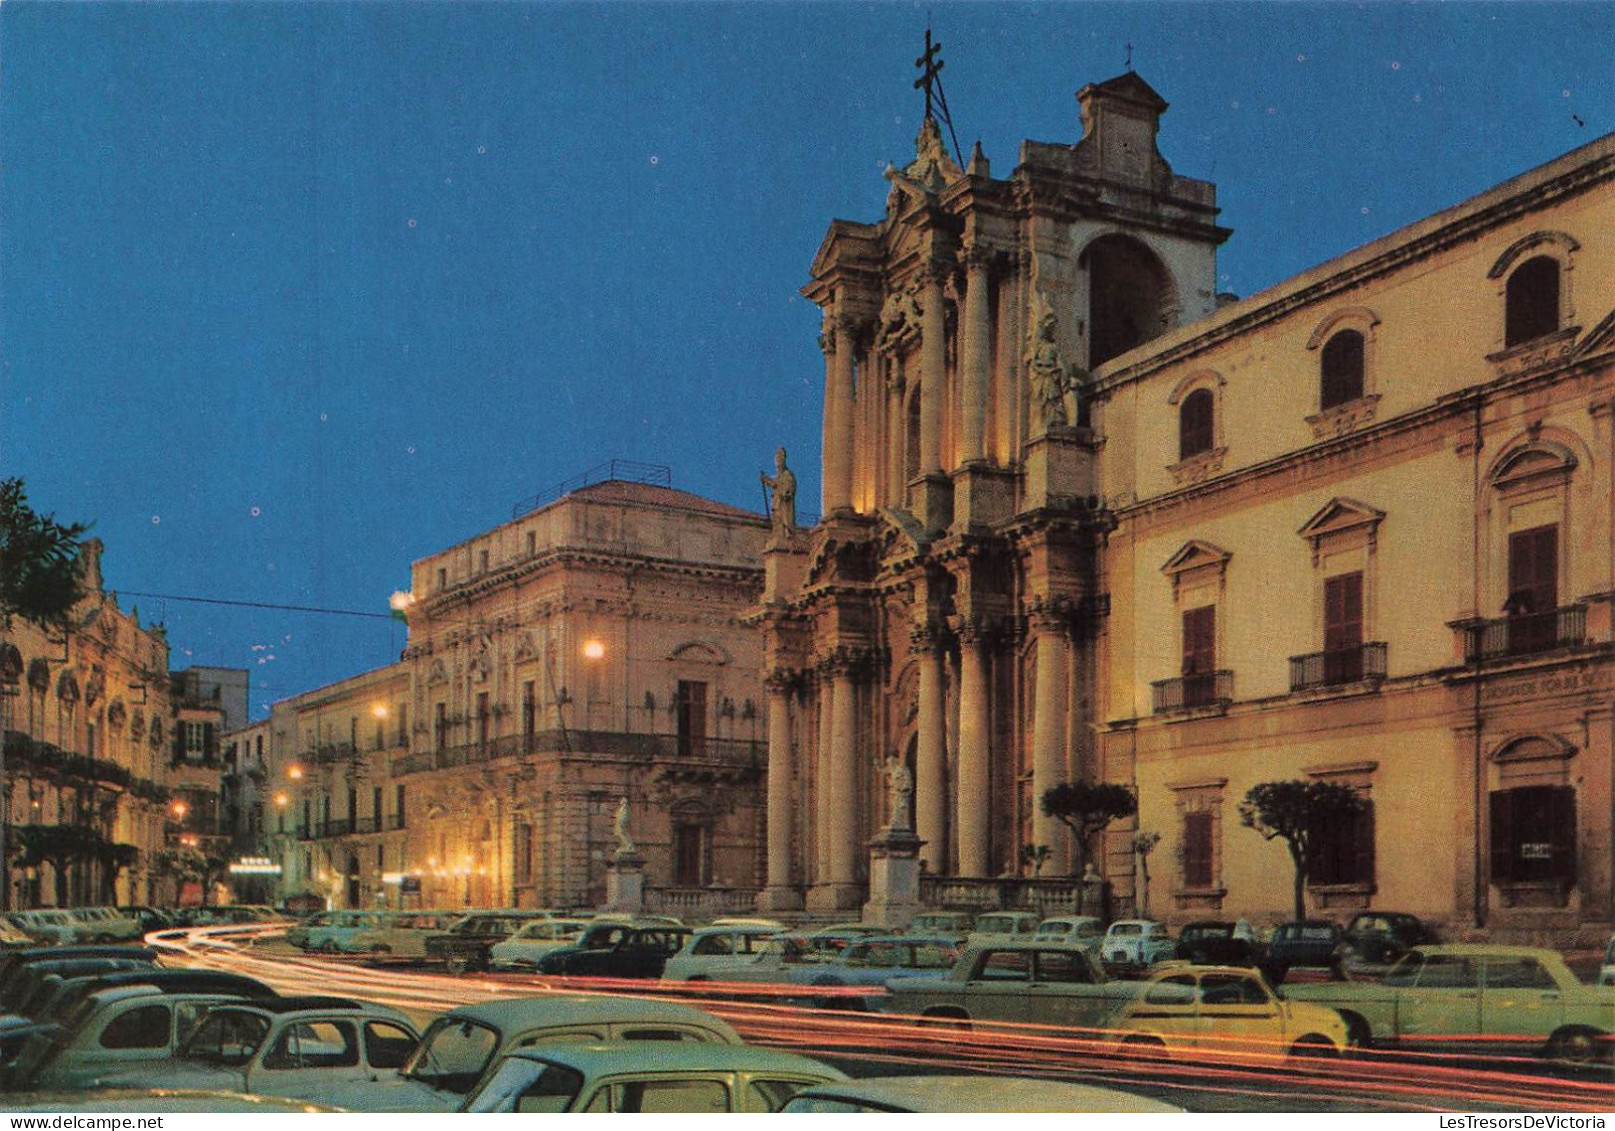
[[1087, 931], [120, 1025], [36, 980], [465, 945], [1190, 1008], [617, 950], [403, 934], [649, 1078], [151, 918], [1464, 996], [106, 925], [1606, 973], [301, 1047], [1043, 983], [1301, 942], [955, 923], [714, 953], [1378, 938], [1000, 926], [873, 962], [523, 949], [15, 963], [1133, 945], [462, 1046], [873, 1094], [13, 937], [49, 925], [1217, 942], [148, 1101], [333, 932]]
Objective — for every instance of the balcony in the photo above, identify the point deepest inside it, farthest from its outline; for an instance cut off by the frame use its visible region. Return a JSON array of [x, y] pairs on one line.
[[1192, 692], [1338, 667], [739, 752], [1524, 634]]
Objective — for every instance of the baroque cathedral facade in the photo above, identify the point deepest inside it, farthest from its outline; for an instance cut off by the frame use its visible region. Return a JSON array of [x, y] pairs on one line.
[[1085, 519]]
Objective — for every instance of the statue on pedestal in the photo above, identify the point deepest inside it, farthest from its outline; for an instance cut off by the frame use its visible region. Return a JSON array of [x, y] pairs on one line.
[[783, 485], [1053, 382], [899, 792], [625, 843]]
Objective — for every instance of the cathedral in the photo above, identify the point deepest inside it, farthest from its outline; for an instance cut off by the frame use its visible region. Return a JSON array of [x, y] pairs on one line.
[[1087, 520]]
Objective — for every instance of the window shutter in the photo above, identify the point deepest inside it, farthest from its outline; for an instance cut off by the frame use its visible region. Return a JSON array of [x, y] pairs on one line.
[[210, 740], [1502, 836], [1197, 870], [1363, 863], [1563, 832]]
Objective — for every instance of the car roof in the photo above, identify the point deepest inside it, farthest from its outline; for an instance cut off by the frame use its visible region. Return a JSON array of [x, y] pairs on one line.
[[1136, 922], [912, 940], [567, 1009], [984, 1093], [194, 980], [1027, 942], [311, 1002], [615, 1058]]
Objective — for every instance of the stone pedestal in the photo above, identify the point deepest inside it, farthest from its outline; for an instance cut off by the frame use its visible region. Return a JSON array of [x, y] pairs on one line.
[[894, 878], [779, 899], [625, 883], [1059, 466], [983, 497], [930, 499]]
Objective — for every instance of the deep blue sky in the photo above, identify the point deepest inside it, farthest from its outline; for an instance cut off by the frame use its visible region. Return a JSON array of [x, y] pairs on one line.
[[292, 294]]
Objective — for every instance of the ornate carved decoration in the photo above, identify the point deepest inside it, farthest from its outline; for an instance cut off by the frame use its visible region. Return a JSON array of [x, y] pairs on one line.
[[1052, 380], [1198, 467], [1344, 418], [1538, 353]]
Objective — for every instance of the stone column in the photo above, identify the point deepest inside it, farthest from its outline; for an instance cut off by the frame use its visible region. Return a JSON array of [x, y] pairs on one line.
[[974, 731], [839, 356], [933, 372], [780, 895], [1048, 727], [977, 337], [844, 762], [823, 785], [931, 760]]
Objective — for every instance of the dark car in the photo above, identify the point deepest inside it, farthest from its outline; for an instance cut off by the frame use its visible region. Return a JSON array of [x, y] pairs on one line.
[[618, 950], [1218, 943], [466, 945], [1301, 942], [1379, 938]]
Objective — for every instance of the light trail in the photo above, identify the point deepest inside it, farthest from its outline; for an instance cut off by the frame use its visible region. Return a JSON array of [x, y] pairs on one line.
[[1250, 1068]]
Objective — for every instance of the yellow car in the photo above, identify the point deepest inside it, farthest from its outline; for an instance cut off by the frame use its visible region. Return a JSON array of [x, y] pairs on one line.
[[1199, 1009]]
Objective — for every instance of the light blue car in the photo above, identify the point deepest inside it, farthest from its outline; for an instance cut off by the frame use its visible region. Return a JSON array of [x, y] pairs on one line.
[[873, 962]]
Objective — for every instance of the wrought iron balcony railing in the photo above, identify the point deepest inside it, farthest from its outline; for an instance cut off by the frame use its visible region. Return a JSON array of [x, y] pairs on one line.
[[1337, 666], [1201, 689], [1525, 634]]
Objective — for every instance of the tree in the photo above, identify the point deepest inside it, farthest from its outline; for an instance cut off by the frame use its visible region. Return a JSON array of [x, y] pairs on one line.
[[1086, 808], [39, 561], [1297, 812], [203, 867]]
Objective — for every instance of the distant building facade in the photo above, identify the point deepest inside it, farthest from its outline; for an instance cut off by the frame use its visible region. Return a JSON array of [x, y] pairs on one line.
[[88, 724], [588, 651], [1086, 519]]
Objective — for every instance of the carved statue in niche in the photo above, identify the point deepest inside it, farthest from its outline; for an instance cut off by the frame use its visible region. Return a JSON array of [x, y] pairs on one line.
[[900, 318], [1052, 380], [783, 484]]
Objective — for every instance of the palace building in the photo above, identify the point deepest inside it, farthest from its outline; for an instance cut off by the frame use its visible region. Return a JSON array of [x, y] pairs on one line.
[[1085, 519]]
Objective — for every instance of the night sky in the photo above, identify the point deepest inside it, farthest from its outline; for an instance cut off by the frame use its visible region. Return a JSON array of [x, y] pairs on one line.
[[292, 294]]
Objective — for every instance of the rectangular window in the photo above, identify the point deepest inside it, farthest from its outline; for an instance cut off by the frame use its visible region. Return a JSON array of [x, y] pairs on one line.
[[691, 702], [1533, 589], [403, 724], [1200, 656], [524, 854], [529, 714], [375, 805], [441, 726], [689, 856], [398, 806], [1343, 628], [1343, 850], [482, 720], [1534, 834], [1197, 850]]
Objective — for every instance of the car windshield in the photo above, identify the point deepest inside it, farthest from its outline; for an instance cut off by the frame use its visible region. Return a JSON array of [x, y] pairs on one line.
[[453, 1054], [522, 1085], [1208, 931], [227, 1037]]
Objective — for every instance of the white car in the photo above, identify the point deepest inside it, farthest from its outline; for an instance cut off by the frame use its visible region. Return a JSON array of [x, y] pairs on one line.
[[402, 934], [1086, 931], [50, 926], [716, 953], [461, 1047], [1003, 926], [1136, 943], [523, 949], [103, 924], [299, 1047]]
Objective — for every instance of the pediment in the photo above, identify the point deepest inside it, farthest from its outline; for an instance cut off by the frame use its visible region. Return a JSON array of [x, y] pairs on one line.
[[699, 652], [1131, 87], [1195, 554], [1338, 515], [1535, 461]]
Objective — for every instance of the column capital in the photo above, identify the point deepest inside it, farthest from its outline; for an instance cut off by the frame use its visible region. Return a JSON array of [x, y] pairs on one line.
[[784, 681], [846, 662], [973, 630], [980, 258], [1051, 614], [926, 636]]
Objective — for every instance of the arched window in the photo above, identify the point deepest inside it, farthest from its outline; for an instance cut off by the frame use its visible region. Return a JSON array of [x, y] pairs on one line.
[[1532, 304], [1131, 298], [1195, 423], [1342, 369]]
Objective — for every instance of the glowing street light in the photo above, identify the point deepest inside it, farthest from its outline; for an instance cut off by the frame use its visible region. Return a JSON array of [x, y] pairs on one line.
[[594, 650], [179, 809]]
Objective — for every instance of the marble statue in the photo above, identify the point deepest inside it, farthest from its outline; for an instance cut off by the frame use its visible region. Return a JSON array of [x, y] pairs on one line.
[[783, 484]]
